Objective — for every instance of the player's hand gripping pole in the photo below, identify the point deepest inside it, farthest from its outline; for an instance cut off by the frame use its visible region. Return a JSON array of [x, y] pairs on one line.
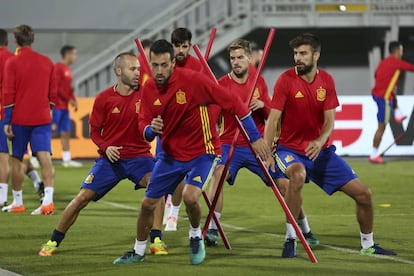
[[275, 190]]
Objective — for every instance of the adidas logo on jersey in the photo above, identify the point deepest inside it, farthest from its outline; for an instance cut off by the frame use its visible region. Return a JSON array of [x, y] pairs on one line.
[[157, 102], [299, 95], [116, 110]]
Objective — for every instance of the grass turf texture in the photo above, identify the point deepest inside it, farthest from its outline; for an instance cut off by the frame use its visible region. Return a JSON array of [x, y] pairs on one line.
[[253, 221]]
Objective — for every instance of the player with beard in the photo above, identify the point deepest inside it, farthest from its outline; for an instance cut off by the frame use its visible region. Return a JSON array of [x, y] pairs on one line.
[[181, 41], [238, 82], [303, 152], [174, 107]]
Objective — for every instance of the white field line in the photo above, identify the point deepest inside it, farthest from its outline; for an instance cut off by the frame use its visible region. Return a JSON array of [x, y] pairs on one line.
[[244, 229]]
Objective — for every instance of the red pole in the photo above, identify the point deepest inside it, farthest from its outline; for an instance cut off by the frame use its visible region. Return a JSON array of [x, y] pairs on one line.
[[146, 64], [210, 43], [276, 191]]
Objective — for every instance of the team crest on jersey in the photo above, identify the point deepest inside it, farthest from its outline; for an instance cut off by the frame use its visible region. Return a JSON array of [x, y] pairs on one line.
[[289, 158], [256, 93], [89, 179], [137, 106], [321, 94], [180, 97]]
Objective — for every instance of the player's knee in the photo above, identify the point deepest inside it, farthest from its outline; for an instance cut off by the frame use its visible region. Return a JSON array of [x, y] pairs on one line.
[[190, 198], [81, 200], [365, 197], [148, 205], [297, 179]]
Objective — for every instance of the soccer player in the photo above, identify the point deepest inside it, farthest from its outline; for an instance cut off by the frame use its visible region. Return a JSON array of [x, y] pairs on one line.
[[29, 90], [181, 41], [239, 82], [305, 100], [124, 154], [61, 119], [386, 79], [143, 75], [4, 149], [174, 106]]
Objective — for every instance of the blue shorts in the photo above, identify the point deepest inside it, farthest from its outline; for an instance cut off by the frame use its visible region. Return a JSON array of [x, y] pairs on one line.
[[243, 158], [168, 173], [385, 109], [38, 136], [105, 175], [61, 120], [329, 171], [4, 146]]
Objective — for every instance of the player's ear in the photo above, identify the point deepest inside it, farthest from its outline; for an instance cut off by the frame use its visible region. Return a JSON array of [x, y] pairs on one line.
[[316, 55], [118, 71]]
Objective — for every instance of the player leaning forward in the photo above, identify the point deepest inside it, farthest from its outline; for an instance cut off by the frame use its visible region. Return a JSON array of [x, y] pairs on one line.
[[124, 153], [303, 153], [174, 106]]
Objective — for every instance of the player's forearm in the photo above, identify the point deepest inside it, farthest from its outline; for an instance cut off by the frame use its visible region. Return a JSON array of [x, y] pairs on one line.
[[8, 111], [271, 126], [96, 137], [327, 129], [251, 129], [149, 134]]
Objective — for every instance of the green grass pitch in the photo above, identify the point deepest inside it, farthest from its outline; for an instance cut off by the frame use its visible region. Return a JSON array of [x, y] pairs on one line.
[[252, 219]]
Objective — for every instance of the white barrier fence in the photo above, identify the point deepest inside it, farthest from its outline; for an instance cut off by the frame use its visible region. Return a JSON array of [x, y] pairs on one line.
[[356, 123]]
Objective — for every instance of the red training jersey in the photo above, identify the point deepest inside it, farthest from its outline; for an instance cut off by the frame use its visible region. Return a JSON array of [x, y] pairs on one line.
[[64, 86], [144, 74], [4, 55], [29, 86], [191, 63], [242, 90], [387, 75], [114, 122], [303, 105], [182, 103]]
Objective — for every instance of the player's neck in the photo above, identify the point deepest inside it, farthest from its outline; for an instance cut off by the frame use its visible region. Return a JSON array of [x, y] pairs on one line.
[[123, 89], [65, 62], [309, 77], [237, 79]]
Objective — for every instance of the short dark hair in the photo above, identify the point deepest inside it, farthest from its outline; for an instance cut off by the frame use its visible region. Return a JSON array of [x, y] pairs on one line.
[[146, 43], [181, 35], [393, 46], [162, 46], [66, 49], [24, 35], [3, 38], [306, 39]]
